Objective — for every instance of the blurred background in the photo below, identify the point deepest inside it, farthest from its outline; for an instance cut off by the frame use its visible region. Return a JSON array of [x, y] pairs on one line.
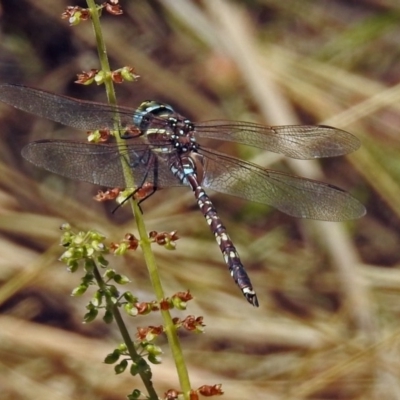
[[327, 326]]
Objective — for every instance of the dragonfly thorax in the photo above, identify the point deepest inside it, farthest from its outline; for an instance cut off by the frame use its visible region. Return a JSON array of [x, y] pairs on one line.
[[163, 126], [182, 134]]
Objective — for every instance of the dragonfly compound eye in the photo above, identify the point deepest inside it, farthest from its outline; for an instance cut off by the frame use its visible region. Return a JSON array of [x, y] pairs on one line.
[[150, 108]]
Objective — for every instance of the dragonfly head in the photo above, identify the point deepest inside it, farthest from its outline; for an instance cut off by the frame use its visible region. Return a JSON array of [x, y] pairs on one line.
[[148, 109]]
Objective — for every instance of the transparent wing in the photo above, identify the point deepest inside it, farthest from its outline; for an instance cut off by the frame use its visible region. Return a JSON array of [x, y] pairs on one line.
[[80, 114], [295, 196], [101, 164], [295, 141]]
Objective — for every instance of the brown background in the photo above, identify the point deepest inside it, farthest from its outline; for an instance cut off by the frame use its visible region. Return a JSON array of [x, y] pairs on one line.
[[327, 325]]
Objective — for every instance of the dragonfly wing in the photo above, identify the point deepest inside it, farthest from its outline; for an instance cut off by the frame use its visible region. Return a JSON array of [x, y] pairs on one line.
[[295, 196], [295, 141], [101, 164], [80, 114]]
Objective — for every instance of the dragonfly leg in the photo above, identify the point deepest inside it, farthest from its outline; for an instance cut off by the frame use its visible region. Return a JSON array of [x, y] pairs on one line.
[[146, 188]]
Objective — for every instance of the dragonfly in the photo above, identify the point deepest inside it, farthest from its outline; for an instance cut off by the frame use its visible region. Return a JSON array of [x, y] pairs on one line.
[[163, 150]]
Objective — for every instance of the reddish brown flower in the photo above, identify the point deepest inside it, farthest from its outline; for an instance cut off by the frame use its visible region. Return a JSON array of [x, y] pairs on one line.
[[117, 77], [99, 136], [166, 239], [145, 191], [209, 391], [193, 395], [130, 132], [149, 333], [180, 299], [143, 308], [132, 241], [171, 394], [86, 77], [75, 14], [114, 9], [191, 323], [165, 304], [125, 73], [154, 306], [185, 296], [110, 194]]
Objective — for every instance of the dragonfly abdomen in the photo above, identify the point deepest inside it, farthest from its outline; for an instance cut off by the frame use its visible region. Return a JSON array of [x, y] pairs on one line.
[[226, 245], [188, 168]]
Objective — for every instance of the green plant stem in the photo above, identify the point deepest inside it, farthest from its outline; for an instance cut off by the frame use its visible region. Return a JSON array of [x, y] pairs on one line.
[[144, 370], [102, 52], [145, 243], [169, 327]]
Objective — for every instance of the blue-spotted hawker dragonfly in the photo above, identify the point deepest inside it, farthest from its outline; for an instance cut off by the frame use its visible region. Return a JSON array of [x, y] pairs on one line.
[[162, 149]]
